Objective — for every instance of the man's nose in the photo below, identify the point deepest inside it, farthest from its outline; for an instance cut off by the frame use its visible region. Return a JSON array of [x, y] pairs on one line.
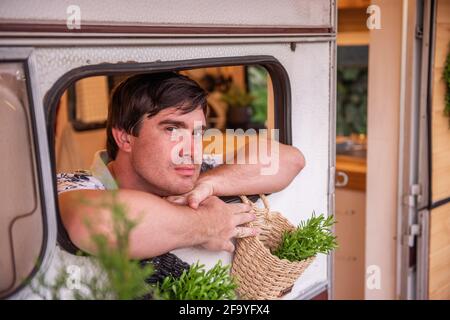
[[188, 146], [192, 148]]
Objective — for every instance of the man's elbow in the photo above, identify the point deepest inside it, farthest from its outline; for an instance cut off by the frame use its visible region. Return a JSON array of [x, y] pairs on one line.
[[72, 220], [296, 160], [78, 234]]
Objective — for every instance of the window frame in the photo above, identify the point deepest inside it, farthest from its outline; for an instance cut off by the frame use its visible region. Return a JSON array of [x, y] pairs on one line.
[[23, 56], [278, 74]]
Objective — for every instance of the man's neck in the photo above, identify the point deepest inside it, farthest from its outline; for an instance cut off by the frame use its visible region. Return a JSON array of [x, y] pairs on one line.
[[126, 177]]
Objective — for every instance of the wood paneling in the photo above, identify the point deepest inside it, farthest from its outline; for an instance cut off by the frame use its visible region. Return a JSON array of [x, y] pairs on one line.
[[439, 259], [349, 265], [440, 123]]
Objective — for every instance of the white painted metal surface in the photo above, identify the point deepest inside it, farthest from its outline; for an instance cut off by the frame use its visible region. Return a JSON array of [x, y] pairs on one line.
[[308, 66], [293, 13], [308, 69]]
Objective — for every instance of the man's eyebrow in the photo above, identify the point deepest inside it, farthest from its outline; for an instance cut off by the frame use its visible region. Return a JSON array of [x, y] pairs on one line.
[[202, 127], [177, 123], [180, 124]]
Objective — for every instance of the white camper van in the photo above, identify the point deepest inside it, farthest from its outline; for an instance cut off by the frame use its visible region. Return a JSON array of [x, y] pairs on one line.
[[58, 61]]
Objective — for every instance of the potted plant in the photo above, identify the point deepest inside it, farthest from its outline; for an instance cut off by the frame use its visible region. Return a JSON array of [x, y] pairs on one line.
[[239, 107]]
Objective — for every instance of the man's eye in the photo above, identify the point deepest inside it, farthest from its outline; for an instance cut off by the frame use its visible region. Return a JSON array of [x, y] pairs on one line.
[[198, 133], [171, 129]]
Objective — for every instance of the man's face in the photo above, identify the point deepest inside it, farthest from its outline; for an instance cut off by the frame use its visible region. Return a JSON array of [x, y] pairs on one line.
[[152, 152]]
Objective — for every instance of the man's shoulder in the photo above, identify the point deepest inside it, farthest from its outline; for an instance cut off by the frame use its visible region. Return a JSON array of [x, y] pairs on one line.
[[77, 180]]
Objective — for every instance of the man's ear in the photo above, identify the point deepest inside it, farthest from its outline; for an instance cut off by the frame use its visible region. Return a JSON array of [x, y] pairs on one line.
[[122, 139]]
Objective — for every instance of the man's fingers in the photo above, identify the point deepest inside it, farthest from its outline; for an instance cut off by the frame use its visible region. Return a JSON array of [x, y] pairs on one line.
[[243, 218], [194, 201], [240, 207], [243, 232], [201, 192], [229, 246], [177, 199]]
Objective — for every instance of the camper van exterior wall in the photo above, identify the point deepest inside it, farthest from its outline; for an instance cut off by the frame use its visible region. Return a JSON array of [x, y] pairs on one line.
[[299, 35]]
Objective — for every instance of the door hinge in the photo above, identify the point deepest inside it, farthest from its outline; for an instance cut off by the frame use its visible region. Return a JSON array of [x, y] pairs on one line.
[[415, 195], [414, 231]]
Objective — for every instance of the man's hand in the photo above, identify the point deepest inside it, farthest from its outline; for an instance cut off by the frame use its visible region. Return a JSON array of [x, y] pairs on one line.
[[222, 222], [202, 190], [162, 226]]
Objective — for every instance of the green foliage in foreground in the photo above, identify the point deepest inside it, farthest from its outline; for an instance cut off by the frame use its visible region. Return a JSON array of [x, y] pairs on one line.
[[119, 278], [309, 238], [125, 277], [115, 276], [198, 284]]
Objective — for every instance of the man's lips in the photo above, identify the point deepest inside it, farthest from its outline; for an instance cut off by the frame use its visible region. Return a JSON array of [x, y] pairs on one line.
[[185, 170]]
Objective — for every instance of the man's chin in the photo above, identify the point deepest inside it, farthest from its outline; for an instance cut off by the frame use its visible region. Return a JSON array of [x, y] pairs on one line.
[[183, 185]]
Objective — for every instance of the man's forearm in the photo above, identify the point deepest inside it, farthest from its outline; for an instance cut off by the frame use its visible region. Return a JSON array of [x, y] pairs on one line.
[[161, 226], [235, 179]]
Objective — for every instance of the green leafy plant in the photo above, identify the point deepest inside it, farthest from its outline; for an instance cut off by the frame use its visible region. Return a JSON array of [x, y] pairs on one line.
[[309, 238], [235, 97], [198, 284], [257, 85], [447, 84], [351, 103], [126, 278], [115, 276]]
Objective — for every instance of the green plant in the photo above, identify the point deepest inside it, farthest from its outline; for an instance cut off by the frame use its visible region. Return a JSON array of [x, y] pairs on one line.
[[351, 100], [257, 85], [126, 278], [115, 276], [198, 284], [447, 84], [235, 97], [309, 238]]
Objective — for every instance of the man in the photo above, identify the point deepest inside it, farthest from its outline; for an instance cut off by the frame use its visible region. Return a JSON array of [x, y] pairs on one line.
[[175, 204]]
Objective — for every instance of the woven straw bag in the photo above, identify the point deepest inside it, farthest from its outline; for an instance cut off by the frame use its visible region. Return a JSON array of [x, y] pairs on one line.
[[258, 273]]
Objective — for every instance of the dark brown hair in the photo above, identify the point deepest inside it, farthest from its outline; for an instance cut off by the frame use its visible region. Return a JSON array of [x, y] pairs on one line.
[[146, 95]]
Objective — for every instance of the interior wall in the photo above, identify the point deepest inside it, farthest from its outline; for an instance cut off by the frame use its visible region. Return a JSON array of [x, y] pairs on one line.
[[74, 150], [383, 137]]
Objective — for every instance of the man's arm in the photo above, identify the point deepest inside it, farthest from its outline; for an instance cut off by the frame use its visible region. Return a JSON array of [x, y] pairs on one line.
[[161, 226], [237, 179], [247, 178]]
